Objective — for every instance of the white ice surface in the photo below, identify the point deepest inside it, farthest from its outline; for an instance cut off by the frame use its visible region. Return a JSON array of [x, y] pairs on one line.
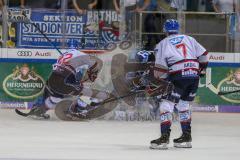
[[216, 136]]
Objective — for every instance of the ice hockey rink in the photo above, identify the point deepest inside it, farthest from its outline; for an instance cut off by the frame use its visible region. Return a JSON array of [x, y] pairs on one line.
[[216, 136]]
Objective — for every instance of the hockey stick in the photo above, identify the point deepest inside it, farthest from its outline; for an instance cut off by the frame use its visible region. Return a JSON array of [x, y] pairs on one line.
[[116, 98], [92, 103], [22, 113], [44, 35], [224, 93], [30, 113]]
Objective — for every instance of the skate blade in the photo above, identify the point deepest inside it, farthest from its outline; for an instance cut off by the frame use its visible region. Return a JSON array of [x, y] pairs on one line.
[[183, 145], [163, 146], [38, 118], [75, 118]]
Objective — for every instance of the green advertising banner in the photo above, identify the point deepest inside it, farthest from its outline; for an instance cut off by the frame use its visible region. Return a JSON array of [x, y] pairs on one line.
[[217, 79], [23, 81]]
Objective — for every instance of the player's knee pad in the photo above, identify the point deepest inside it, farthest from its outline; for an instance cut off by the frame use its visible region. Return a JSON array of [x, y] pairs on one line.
[[166, 109], [183, 105], [166, 118], [166, 106], [51, 102], [184, 111]]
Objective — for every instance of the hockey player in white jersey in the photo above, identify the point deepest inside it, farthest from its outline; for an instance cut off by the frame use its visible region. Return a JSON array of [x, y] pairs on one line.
[[186, 61], [85, 69]]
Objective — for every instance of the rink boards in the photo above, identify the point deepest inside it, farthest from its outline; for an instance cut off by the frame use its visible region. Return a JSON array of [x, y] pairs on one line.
[[222, 75]]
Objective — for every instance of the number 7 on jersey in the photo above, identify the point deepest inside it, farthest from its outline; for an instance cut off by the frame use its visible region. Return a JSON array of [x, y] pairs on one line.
[[184, 49]]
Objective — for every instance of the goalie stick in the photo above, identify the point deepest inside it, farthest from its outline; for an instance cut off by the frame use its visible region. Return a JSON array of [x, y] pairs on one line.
[[30, 113], [116, 98], [22, 113], [224, 93], [92, 103], [44, 35], [123, 96]]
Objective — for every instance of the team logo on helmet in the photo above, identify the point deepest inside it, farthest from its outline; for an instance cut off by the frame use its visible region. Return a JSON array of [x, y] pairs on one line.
[[171, 26]]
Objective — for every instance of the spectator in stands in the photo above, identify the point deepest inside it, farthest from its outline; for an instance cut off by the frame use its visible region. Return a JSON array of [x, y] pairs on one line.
[[82, 6], [116, 5], [53, 4], [192, 5], [106, 4], [34, 3], [177, 5], [208, 5], [1, 5], [15, 3], [224, 5], [1, 8], [149, 21]]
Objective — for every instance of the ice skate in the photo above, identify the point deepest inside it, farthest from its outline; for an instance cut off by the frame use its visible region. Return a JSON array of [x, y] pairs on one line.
[[77, 111], [184, 141], [78, 108], [39, 112], [160, 143]]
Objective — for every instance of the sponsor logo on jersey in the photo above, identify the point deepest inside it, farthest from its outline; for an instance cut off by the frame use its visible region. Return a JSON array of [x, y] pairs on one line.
[[189, 73], [190, 65], [231, 83], [176, 40], [23, 83]]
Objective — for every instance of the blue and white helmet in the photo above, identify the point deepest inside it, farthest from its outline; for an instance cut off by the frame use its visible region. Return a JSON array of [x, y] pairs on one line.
[[73, 44], [171, 26], [142, 56]]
